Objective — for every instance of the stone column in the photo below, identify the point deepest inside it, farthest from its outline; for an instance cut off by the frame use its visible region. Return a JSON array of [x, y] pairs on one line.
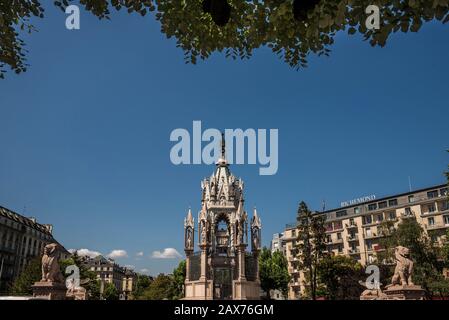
[[203, 263], [242, 263], [188, 253]]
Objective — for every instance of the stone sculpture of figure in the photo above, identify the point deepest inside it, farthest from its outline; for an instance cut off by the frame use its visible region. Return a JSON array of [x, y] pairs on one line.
[[239, 233], [255, 239], [404, 267], [203, 232], [50, 265], [189, 239], [372, 294], [75, 291]]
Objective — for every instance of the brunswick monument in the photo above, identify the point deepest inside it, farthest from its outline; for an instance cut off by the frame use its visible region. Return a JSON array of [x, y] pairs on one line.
[[222, 268]]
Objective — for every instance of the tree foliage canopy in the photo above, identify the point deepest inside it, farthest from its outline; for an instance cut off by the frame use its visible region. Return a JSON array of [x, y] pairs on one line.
[[340, 277], [428, 263], [311, 245], [31, 274], [293, 29], [273, 271]]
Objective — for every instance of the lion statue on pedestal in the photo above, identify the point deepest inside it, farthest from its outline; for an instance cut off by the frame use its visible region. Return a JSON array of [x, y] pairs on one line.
[[404, 268], [50, 265]]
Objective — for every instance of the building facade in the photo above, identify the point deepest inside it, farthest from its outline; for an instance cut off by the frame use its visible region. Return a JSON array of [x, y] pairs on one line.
[[222, 268], [108, 271], [355, 230], [278, 243], [21, 240]]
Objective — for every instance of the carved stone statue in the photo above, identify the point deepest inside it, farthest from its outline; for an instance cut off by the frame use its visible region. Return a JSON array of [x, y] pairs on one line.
[[203, 232], [372, 294], [255, 237], [189, 239], [50, 265], [404, 268], [75, 291], [239, 233]]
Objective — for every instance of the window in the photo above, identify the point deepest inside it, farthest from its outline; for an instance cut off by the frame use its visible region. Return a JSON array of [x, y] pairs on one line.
[[356, 210], [411, 198], [369, 245], [392, 216], [368, 232], [379, 218], [444, 205], [431, 207], [367, 219], [341, 213], [351, 222], [328, 227], [329, 238], [339, 235], [432, 194], [340, 249], [444, 192], [408, 212], [392, 202], [372, 206], [338, 225], [293, 233], [431, 221], [446, 220], [382, 204]]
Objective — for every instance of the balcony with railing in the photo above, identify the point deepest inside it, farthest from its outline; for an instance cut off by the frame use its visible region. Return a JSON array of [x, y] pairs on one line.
[[351, 225], [436, 226], [352, 251], [374, 235], [352, 237]]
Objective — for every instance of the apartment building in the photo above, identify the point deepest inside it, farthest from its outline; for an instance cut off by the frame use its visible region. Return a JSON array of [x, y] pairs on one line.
[[108, 271], [354, 230], [21, 240]]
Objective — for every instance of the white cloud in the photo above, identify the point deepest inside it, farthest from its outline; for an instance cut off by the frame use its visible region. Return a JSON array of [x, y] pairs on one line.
[[85, 252], [167, 253], [130, 266], [139, 254], [117, 254], [144, 271]]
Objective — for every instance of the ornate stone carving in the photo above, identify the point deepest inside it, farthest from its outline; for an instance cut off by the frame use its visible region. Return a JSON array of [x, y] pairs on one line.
[[75, 291], [50, 265], [404, 268]]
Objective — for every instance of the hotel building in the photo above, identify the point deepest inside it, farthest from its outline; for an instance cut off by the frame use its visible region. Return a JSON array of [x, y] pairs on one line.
[[354, 230]]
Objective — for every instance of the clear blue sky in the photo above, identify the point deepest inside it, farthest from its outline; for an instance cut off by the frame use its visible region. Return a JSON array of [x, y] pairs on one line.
[[85, 132]]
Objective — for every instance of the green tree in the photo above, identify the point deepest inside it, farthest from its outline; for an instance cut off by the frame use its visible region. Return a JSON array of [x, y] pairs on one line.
[[160, 289], [110, 292], [31, 274], [292, 29], [310, 245], [143, 283], [425, 255], [273, 271], [88, 279], [179, 277], [340, 275]]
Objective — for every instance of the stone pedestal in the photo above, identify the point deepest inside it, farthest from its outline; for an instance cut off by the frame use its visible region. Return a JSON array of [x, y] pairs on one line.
[[199, 290], [49, 290], [246, 290], [407, 292]]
